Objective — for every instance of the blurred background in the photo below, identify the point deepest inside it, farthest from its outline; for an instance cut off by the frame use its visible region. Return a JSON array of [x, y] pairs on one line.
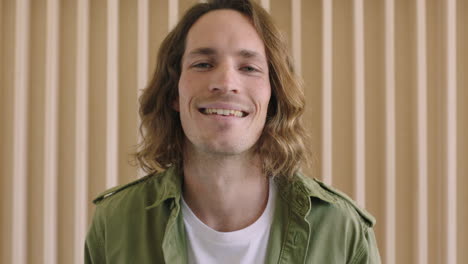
[[387, 91]]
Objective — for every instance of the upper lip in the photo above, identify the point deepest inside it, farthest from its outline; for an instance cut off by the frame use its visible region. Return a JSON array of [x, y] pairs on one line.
[[227, 106]]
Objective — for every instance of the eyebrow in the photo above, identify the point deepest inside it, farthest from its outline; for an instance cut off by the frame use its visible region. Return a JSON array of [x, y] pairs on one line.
[[210, 52]]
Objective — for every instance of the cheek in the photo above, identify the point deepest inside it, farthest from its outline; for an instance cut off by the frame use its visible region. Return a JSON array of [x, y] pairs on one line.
[[188, 84], [182, 84], [263, 95], [184, 91]]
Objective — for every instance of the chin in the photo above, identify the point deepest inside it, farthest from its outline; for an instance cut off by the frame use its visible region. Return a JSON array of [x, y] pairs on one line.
[[225, 149]]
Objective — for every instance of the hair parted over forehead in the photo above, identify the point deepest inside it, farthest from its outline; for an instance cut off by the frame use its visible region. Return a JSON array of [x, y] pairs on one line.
[[283, 144]]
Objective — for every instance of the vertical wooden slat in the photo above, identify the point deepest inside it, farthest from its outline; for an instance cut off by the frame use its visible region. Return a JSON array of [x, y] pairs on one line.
[[390, 175], [143, 55], [451, 170], [51, 134], [327, 71], [20, 129], [296, 35], [266, 5], [112, 93], [359, 104], [422, 194], [82, 134], [173, 13]]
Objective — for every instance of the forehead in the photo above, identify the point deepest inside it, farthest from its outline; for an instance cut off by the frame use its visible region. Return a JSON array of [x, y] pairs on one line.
[[224, 31]]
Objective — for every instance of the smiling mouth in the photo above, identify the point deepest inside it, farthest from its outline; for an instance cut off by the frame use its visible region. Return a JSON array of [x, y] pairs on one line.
[[222, 112]]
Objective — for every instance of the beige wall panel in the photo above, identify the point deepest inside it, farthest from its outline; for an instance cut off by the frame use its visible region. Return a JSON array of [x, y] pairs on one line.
[[374, 22], [462, 74], [184, 5], [406, 120], [436, 150], [97, 100], [312, 76], [158, 28], [343, 108], [67, 127], [343, 97], [6, 126], [281, 12], [35, 187], [127, 88], [406, 109]]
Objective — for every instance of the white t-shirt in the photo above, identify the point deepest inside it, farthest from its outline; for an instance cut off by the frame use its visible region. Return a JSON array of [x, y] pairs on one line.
[[206, 245]]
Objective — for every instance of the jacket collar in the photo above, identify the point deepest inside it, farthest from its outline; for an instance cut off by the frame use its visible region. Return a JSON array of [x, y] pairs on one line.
[[297, 190], [168, 184]]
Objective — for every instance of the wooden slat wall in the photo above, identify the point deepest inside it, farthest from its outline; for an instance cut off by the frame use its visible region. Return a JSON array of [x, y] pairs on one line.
[[387, 95]]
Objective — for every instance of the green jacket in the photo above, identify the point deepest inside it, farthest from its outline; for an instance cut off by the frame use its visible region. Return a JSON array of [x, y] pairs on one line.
[[141, 222]]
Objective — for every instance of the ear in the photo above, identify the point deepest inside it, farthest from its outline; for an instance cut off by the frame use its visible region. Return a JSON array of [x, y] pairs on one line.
[[175, 104]]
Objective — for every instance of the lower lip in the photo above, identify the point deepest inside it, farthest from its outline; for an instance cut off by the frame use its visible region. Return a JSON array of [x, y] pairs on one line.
[[222, 117]]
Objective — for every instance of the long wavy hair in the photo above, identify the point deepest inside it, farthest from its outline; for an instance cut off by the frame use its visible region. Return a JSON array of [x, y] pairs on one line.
[[283, 145]]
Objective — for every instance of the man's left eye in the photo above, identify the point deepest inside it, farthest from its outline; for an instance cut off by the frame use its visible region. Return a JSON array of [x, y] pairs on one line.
[[202, 65], [249, 69]]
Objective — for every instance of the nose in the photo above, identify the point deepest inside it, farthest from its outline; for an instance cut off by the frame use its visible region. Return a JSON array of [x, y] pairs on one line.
[[224, 79]]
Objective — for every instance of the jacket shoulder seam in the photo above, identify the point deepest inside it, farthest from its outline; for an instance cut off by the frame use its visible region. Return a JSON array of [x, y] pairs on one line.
[[365, 216], [359, 253], [112, 191]]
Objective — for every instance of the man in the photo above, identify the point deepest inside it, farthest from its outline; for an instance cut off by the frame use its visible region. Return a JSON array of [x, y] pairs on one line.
[[224, 144]]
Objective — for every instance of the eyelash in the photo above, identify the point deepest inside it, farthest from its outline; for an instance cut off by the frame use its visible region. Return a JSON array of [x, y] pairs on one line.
[[202, 64], [198, 65]]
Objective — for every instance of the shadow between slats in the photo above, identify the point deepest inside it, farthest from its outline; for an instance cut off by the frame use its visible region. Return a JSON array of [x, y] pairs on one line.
[[7, 25], [127, 92], [374, 24], [36, 119], [97, 101], [312, 75], [435, 63], [67, 128], [406, 130], [343, 97]]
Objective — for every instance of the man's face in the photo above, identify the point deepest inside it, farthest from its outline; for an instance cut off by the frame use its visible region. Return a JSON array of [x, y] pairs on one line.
[[224, 87]]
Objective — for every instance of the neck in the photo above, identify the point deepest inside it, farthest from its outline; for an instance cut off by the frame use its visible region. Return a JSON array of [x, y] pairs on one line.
[[227, 193]]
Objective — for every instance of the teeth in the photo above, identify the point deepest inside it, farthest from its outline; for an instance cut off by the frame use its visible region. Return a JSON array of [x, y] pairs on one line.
[[224, 112]]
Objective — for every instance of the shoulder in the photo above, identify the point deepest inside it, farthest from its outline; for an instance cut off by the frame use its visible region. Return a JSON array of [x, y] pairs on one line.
[[345, 201], [122, 190], [149, 191], [337, 200], [340, 223]]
